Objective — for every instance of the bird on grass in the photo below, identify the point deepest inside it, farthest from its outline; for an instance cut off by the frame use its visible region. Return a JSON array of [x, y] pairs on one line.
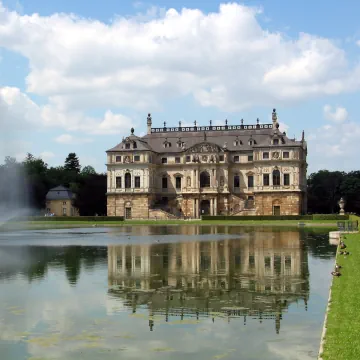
[[344, 253], [335, 273], [342, 245], [337, 267]]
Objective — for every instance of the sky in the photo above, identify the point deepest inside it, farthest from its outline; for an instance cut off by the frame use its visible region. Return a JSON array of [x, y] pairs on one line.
[[75, 76]]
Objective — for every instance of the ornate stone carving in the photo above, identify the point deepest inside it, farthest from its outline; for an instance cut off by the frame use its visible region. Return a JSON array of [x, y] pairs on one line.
[[275, 155], [127, 160], [205, 147], [204, 158]]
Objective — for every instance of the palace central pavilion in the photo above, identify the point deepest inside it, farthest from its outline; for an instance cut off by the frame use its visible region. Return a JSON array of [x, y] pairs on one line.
[[207, 170]]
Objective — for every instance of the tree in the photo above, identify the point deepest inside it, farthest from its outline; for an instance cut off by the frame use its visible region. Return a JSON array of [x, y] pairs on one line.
[[324, 191], [72, 163], [91, 195], [36, 170], [88, 170]]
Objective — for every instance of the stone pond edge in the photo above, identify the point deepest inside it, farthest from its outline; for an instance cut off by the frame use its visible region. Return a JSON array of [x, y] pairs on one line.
[[323, 334]]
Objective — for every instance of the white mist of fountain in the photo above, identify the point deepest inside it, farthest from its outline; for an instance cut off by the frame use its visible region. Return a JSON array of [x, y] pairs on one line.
[[14, 199]]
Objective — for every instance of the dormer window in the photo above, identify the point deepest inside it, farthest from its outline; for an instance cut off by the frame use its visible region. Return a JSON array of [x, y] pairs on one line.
[[251, 142], [134, 145], [276, 142], [166, 144], [179, 143], [127, 146], [237, 142]]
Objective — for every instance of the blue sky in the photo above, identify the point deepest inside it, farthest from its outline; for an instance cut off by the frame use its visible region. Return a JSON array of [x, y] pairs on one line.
[[76, 75]]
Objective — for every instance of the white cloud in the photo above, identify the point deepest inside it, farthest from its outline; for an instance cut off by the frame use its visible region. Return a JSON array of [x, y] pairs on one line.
[[331, 145], [18, 113], [223, 59], [47, 155], [339, 115], [69, 139]]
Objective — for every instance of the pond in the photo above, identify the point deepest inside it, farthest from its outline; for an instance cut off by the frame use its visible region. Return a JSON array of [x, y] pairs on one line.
[[161, 292]]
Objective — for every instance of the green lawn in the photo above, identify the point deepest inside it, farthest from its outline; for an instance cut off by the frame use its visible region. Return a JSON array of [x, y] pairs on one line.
[[294, 223], [342, 339]]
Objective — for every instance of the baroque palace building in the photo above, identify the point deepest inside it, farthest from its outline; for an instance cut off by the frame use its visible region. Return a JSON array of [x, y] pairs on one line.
[[207, 170]]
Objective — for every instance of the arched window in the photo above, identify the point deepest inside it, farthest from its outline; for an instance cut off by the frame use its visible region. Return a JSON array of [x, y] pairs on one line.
[[127, 181], [204, 179], [276, 177]]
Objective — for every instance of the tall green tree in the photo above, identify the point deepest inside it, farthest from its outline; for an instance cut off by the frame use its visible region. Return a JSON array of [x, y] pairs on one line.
[[72, 163]]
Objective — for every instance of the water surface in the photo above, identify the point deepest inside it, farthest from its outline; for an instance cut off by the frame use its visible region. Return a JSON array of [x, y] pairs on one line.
[[214, 292]]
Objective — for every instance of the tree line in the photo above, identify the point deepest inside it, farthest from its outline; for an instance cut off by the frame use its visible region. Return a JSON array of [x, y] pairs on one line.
[[325, 188], [28, 182]]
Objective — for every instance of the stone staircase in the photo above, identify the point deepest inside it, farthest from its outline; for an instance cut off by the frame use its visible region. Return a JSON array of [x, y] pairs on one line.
[[240, 207], [159, 214]]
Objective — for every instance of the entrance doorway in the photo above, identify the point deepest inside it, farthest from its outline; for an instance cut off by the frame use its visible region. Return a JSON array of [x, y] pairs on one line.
[[276, 210], [205, 207], [128, 213]]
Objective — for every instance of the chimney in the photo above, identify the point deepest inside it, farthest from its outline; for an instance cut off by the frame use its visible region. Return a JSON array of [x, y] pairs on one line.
[[149, 122]]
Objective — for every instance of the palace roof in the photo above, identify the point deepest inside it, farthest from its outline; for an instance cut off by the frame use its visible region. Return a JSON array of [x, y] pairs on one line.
[[227, 137]]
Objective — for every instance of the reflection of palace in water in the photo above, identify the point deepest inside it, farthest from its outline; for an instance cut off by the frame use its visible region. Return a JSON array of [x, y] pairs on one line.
[[255, 276]]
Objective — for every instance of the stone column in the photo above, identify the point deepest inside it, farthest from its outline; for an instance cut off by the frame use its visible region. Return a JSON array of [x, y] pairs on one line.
[[211, 206], [215, 206]]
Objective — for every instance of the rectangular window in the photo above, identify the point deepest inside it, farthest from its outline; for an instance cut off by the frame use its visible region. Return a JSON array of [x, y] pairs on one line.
[[164, 160], [265, 155], [276, 210], [287, 262], [177, 160], [64, 211], [221, 157], [137, 182], [276, 142], [251, 261], [137, 158], [236, 158], [118, 159], [118, 182], [164, 182], [188, 158], [250, 157], [127, 146], [266, 179], [286, 155], [250, 181], [178, 182], [286, 179], [236, 181]]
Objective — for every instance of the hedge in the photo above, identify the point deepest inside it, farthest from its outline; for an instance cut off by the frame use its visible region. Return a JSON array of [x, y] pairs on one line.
[[71, 218], [280, 217], [330, 217]]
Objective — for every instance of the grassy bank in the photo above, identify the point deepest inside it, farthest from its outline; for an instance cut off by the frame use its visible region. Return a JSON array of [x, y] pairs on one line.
[[311, 223], [342, 339]]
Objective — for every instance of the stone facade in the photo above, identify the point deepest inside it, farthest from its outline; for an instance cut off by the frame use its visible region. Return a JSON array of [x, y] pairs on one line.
[[207, 170]]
